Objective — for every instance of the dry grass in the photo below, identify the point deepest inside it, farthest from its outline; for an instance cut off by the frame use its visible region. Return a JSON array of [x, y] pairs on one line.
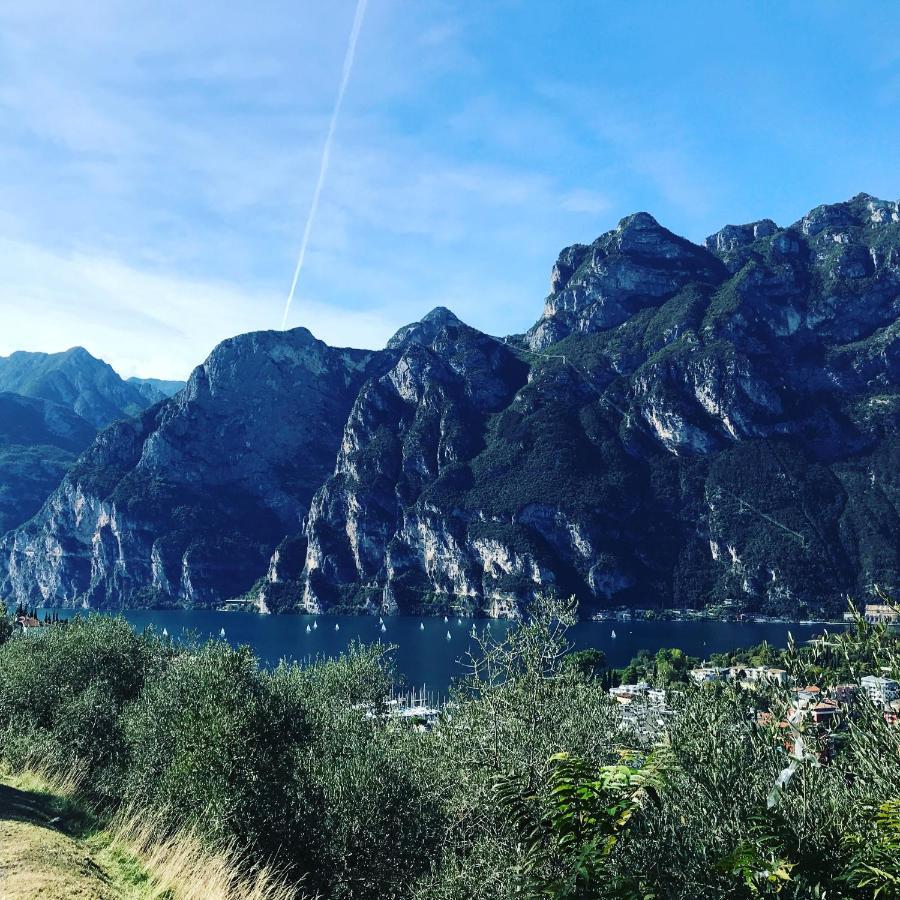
[[182, 867], [134, 856], [39, 779]]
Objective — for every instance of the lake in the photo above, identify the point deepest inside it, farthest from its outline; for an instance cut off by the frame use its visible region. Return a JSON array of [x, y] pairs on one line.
[[425, 656]]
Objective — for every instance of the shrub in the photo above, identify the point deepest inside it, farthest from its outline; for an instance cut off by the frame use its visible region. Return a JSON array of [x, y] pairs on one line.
[[213, 742], [62, 692]]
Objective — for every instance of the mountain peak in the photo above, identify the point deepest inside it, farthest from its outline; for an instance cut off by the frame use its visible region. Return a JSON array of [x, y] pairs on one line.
[[425, 330], [79, 352], [638, 220], [441, 315], [859, 211], [640, 263], [73, 378]]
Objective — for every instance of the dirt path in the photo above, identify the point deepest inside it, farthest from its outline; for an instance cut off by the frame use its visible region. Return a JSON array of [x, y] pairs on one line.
[[38, 859]]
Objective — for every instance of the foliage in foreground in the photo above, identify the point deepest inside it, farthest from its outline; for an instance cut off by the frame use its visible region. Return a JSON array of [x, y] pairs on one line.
[[533, 784]]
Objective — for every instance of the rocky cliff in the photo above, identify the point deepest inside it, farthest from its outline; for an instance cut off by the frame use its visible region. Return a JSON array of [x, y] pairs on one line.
[[184, 504], [684, 425]]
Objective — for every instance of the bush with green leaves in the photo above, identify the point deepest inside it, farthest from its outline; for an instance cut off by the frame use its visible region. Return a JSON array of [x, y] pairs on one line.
[[533, 783], [6, 626], [62, 692], [214, 742], [377, 825]]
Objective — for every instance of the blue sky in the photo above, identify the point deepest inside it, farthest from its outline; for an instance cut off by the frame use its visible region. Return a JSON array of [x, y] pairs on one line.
[[157, 159]]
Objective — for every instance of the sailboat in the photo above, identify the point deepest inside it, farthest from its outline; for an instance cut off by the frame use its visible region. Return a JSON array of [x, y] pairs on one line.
[[448, 635], [337, 626], [383, 627], [459, 621], [445, 619], [222, 633], [421, 626], [613, 633], [309, 629], [315, 625], [165, 632]]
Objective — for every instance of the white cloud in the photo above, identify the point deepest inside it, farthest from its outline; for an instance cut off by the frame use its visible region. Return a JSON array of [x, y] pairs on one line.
[[146, 323]]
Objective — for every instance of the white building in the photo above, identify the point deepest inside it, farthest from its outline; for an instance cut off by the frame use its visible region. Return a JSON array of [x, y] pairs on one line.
[[880, 690], [767, 674], [707, 673], [625, 693]]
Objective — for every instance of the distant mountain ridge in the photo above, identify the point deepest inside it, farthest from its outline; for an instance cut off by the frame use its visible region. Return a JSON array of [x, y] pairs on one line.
[[156, 389], [51, 406], [39, 441], [684, 425], [73, 378]]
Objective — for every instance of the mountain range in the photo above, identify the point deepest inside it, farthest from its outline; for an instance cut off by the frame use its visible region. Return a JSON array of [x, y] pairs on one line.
[[684, 425], [51, 406]]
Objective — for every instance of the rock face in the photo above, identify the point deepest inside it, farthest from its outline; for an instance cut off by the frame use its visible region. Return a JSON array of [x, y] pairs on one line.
[[184, 504], [638, 265], [685, 425], [373, 538], [86, 385]]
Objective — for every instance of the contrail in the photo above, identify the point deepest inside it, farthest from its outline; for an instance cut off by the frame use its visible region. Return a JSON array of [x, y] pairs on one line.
[[326, 151]]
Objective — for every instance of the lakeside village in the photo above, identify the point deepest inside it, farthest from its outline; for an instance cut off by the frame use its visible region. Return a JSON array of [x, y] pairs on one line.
[[810, 714], [821, 711], [817, 712], [727, 611]]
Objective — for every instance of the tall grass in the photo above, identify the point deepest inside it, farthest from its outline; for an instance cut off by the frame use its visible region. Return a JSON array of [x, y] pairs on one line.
[[156, 862], [181, 866]]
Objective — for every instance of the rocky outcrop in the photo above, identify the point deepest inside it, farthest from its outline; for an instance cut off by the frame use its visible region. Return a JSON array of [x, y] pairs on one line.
[[418, 423], [684, 425], [640, 264]]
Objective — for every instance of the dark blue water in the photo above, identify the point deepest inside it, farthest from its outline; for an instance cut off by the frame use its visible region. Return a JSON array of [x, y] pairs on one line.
[[426, 657]]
